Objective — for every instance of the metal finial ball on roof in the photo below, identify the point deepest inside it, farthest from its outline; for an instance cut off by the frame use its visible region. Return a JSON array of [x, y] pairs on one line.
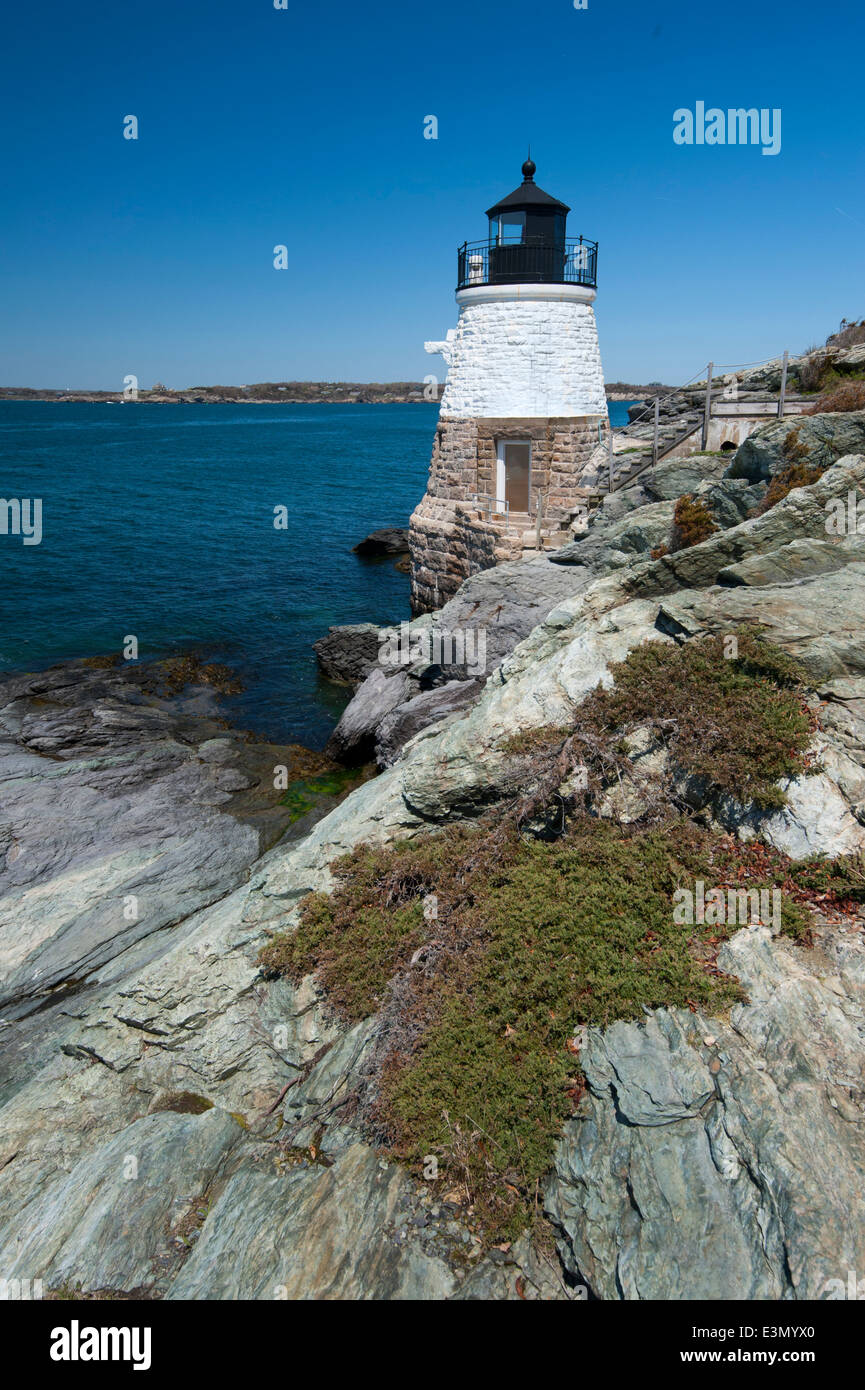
[[529, 169]]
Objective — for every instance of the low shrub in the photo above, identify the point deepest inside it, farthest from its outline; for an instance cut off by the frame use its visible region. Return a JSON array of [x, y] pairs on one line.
[[797, 473], [738, 722], [849, 334], [842, 880], [692, 523], [783, 483], [476, 1061], [811, 370], [850, 395]]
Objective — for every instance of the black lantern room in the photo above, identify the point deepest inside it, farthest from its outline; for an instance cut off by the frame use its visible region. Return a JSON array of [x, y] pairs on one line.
[[527, 243], [528, 215]]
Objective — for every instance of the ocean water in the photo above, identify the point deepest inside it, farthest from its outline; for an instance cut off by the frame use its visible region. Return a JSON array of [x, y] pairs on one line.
[[158, 522]]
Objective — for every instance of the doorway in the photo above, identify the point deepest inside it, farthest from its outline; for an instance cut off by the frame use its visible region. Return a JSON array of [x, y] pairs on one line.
[[513, 474]]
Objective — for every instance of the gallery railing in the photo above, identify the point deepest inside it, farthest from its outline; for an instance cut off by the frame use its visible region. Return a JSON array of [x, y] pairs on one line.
[[527, 262]]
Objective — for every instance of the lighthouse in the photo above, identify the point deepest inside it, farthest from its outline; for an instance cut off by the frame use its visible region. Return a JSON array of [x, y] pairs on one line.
[[524, 402]]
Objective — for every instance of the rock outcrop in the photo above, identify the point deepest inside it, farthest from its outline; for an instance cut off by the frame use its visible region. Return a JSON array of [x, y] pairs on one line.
[[390, 540], [725, 1159], [348, 653], [176, 1123], [488, 616], [823, 438], [353, 739]]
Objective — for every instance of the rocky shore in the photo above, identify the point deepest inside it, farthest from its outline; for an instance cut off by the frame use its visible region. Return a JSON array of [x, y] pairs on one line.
[[180, 1122]]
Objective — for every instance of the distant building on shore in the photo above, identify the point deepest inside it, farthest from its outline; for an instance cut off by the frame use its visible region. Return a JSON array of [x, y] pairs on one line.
[[524, 397]]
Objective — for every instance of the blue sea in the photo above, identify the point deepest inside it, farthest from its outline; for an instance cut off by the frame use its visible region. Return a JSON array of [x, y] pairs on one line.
[[158, 521]]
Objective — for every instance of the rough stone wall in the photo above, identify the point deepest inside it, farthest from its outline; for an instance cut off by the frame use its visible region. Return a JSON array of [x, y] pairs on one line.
[[454, 464], [452, 535], [532, 357], [448, 542], [560, 451]]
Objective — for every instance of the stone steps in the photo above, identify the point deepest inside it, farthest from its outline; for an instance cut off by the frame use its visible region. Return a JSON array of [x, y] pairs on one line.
[[518, 533]]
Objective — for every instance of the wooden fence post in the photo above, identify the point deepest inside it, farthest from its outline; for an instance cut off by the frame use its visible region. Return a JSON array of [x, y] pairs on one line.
[[708, 409], [655, 437], [783, 385]]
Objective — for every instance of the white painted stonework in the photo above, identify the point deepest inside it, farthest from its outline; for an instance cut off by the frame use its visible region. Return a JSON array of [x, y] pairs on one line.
[[523, 350]]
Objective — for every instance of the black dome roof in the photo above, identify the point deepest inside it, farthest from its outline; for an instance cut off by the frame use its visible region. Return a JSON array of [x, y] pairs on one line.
[[528, 196]]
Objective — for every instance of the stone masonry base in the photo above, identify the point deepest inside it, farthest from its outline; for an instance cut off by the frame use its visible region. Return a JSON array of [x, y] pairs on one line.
[[455, 531]]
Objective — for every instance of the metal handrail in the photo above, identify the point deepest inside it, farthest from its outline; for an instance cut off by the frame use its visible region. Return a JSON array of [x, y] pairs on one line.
[[532, 260], [494, 504]]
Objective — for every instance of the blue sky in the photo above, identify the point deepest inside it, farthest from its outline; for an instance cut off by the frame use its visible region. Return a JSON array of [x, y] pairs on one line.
[[304, 127]]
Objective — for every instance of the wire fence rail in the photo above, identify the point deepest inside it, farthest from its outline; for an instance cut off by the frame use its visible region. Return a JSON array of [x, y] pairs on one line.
[[707, 374]]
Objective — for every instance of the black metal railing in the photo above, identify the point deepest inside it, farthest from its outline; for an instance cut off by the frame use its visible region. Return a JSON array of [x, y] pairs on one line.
[[531, 262]]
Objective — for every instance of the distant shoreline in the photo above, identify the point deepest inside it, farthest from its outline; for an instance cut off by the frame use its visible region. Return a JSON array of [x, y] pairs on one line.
[[272, 393]]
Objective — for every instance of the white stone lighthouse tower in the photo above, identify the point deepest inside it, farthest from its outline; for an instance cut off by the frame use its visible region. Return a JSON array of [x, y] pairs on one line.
[[524, 398]]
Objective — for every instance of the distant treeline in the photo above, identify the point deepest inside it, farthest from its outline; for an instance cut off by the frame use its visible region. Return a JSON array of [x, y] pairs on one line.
[[313, 392], [294, 391], [628, 388]]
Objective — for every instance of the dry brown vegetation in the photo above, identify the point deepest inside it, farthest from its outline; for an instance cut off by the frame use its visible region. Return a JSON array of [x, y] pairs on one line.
[[798, 473], [849, 395], [692, 523], [850, 335]]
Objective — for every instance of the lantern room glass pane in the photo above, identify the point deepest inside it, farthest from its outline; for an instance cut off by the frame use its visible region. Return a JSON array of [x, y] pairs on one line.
[[508, 227]]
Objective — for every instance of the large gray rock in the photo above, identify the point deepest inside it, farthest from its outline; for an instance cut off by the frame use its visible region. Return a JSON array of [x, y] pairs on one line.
[[818, 817], [816, 620], [719, 1159], [426, 709], [353, 739], [826, 437], [507, 602], [312, 1232], [121, 1218], [348, 653], [796, 560], [618, 535], [119, 818], [461, 771], [666, 482], [490, 614], [801, 515], [728, 501]]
